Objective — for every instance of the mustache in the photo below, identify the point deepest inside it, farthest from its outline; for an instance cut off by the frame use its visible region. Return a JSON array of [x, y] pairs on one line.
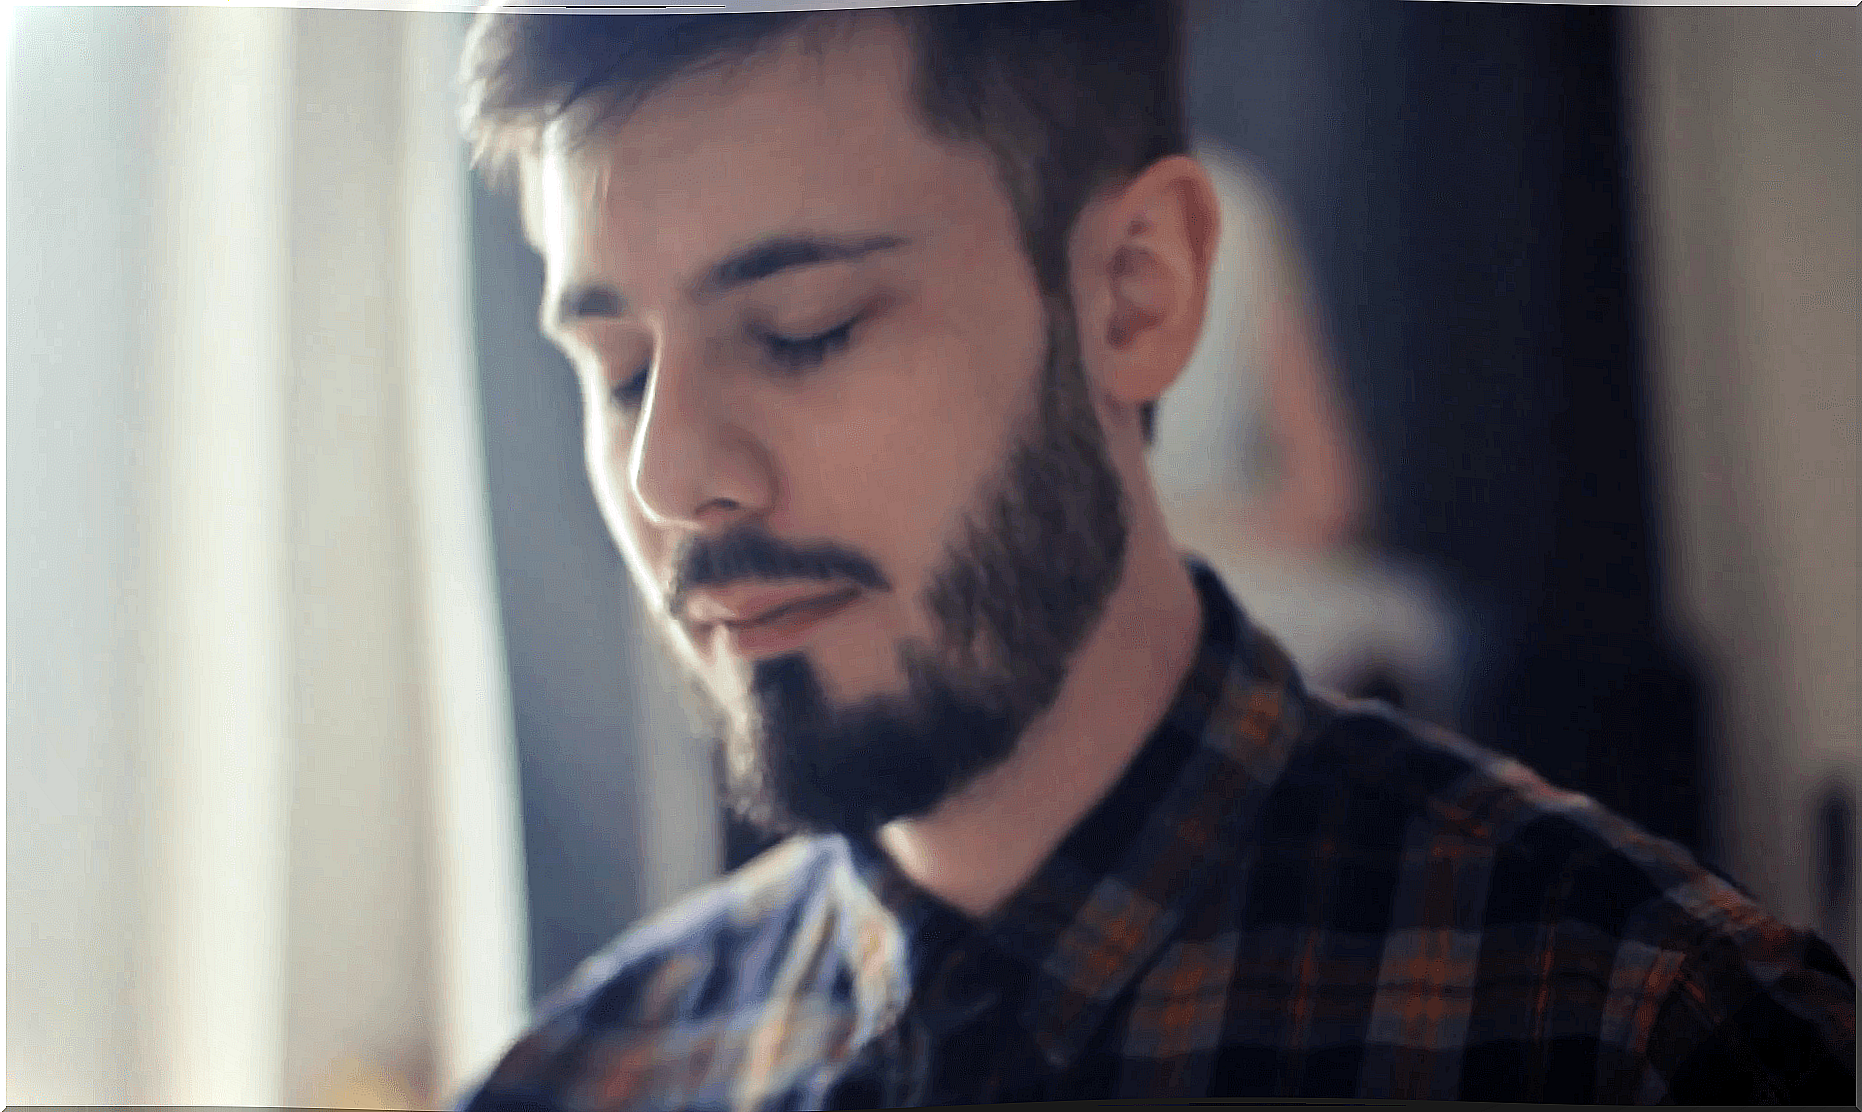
[[749, 553]]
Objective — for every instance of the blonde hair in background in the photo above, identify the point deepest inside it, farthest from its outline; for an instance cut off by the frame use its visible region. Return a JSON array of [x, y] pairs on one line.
[[1255, 427]]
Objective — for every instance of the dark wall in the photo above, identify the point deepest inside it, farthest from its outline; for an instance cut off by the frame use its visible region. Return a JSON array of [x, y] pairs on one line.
[[1460, 178]]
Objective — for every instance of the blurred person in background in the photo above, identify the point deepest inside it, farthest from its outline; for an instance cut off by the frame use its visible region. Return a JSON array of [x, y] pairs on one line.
[[1260, 468], [1256, 438], [870, 313]]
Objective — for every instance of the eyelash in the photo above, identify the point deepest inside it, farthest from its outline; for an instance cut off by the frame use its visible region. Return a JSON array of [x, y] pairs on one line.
[[810, 351], [791, 355]]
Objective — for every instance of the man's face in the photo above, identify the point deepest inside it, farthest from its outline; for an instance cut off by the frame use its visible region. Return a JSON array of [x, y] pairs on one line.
[[845, 445]]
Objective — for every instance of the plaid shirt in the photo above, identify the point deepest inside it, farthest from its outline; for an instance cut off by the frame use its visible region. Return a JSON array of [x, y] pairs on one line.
[[1283, 895]]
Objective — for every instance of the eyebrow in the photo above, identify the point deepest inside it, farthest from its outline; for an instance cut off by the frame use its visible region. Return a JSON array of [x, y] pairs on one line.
[[763, 259]]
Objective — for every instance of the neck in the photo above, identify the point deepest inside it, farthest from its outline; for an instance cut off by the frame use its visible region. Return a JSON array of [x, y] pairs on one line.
[[981, 845]]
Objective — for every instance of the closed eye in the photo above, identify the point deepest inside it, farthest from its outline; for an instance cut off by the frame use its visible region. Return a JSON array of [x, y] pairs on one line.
[[787, 352], [801, 353]]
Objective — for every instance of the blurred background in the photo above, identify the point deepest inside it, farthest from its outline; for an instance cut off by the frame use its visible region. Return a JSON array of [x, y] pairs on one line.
[[1527, 402]]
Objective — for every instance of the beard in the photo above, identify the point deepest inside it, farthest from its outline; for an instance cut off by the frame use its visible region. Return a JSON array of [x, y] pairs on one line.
[[1020, 588]]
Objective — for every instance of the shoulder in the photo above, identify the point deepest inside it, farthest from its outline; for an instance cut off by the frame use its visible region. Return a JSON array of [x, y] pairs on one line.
[[741, 916], [1681, 985], [1542, 851], [676, 977]]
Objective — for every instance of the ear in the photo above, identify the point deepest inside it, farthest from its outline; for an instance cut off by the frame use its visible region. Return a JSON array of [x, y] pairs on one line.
[[1140, 258]]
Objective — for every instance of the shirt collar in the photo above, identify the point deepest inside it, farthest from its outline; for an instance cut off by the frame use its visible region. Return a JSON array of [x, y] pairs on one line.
[[1105, 902]]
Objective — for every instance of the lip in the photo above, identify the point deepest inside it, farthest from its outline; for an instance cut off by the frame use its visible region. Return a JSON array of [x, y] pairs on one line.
[[783, 623], [747, 606]]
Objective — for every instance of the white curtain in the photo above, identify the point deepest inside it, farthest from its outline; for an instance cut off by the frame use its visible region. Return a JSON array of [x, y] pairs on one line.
[[1746, 122], [263, 846]]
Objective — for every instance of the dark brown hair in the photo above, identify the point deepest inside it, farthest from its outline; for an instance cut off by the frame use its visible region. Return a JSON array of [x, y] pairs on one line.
[[1069, 97]]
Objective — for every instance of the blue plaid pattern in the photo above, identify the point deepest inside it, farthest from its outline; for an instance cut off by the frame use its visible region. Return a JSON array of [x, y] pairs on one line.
[[1284, 895]]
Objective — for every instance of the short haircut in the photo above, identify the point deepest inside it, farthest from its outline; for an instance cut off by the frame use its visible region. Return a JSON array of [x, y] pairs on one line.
[[1069, 97]]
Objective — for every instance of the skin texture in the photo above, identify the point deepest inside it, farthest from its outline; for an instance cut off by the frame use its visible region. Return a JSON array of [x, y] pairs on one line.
[[888, 466]]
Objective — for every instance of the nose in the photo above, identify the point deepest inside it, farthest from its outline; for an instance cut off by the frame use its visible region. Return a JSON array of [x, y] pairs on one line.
[[693, 465]]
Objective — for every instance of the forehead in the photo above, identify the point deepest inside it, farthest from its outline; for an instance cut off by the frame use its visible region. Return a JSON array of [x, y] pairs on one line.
[[810, 135]]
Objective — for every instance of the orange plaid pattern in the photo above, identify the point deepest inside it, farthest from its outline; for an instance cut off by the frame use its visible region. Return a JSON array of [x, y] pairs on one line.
[[1282, 896]]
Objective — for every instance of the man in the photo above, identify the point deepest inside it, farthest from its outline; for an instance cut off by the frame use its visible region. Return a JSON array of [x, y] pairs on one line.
[[869, 311]]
